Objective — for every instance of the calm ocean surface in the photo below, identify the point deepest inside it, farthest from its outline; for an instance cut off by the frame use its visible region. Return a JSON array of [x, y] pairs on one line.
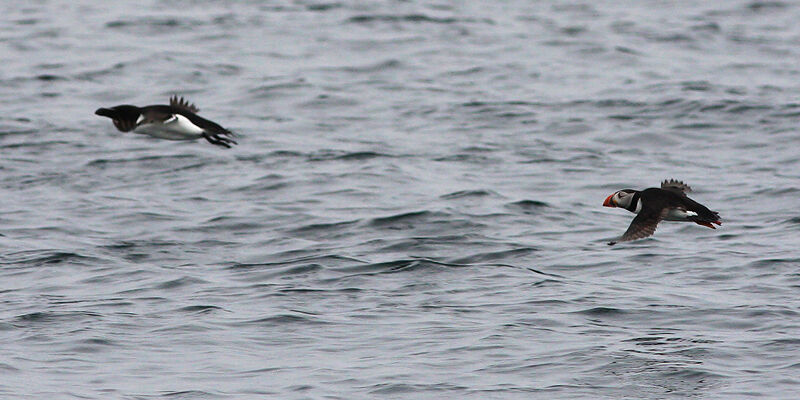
[[414, 210]]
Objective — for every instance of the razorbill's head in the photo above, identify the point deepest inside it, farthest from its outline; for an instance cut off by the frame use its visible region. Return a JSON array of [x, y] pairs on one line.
[[125, 117]]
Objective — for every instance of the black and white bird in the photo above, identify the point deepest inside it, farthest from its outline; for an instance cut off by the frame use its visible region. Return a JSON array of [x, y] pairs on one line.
[[176, 121], [653, 205]]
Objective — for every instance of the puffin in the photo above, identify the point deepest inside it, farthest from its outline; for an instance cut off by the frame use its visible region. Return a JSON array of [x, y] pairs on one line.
[[653, 205], [176, 121]]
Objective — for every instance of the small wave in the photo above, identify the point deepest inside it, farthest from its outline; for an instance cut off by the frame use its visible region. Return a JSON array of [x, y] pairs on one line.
[[664, 340], [602, 311], [793, 221], [43, 317], [777, 191], [8, 368], [771, 263], [229, 224], [787, 111], [627, 50], [180, 282], [325, 101], [610, 103], [467, 158], [35, 146], [154, 24], [278, 89], [740, 108], [323, 6], [504, 255], [498, 104], [286, 319], [697, 126], [527, 206], [680, 108], [327, 155], [92, 345], [190, 395], [408, 217], [220, 69], [427, 389], [394, 266], [320, 228], [94, 74], [304, 269], [150, 161], [262, 187], [423, 243], [465, 71], [329, 260], [468, 194], [415, 18], [42, 257], [50, 77], [200, 309], [764, 6], [142, 216], [377, 67], [502, 111], [285, 153], [697, 86]]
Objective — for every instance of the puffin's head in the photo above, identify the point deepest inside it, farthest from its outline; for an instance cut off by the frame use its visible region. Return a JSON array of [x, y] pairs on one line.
[[621, 198], [125, 117]]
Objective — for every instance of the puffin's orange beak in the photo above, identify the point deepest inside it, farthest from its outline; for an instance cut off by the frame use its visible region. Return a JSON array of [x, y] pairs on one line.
[[608, 202]]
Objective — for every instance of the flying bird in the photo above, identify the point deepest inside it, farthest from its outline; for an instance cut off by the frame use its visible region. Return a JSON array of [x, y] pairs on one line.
[[653, 205], [176, 121]]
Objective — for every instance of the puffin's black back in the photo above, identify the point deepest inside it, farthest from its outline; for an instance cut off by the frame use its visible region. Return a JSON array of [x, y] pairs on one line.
[[658, 198]]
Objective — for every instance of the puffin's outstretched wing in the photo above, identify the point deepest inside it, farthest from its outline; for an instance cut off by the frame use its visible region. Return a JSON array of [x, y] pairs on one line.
[[676, 186], [180, 102], [642, 226]]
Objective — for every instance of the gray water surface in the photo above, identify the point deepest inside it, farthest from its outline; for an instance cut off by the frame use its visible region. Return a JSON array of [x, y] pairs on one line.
[[414, 210]]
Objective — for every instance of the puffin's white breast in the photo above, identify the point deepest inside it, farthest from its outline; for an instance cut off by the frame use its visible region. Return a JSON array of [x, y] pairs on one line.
[[677, 214]]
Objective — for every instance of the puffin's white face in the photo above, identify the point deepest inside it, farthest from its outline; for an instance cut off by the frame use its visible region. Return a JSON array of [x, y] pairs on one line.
[[622, 199]]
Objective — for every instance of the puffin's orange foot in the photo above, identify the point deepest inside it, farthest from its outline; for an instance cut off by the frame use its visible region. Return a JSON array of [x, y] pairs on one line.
[[708, 224]]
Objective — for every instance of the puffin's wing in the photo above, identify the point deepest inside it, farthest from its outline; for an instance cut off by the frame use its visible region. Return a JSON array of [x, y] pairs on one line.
[[180, 102], [676, 186], [642, 226]]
